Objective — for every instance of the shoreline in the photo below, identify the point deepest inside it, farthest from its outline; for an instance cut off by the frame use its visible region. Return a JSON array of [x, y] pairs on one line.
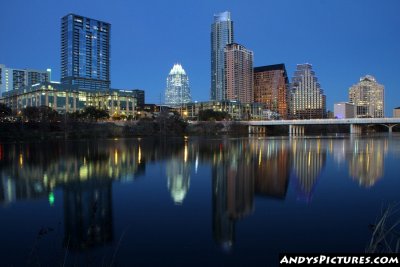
[[28, 131]]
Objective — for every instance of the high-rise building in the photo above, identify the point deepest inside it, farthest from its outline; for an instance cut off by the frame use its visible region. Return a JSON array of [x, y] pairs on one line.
[[221, 35], [367, 96], [271, 87], [177, 91], [85, 52], [14, 79], [239, 73], [307, 99]]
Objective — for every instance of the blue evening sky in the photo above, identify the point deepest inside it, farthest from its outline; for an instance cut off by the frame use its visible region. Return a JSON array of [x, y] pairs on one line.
[[343, 39]]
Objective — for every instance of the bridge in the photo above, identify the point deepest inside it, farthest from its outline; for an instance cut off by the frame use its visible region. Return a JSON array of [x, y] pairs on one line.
[[296, 127]]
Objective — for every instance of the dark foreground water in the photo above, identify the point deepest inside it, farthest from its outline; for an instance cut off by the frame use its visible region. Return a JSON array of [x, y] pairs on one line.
[[191, 201]]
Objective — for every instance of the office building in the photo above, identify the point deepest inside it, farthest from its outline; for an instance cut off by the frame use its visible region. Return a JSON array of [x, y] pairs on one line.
[[271, 86], [137, 93], [367, 96], [239, 73], [221, 35], [85, 52], [177, 91], [140, 97], [14, 79], [344, 110], [307, 99]]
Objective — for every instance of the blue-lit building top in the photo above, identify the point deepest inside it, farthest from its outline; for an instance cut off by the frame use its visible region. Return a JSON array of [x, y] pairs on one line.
[[85, 52], [221, 35]]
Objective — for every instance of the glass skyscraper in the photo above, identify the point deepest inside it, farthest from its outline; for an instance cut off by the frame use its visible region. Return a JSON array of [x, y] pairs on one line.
[[177, 91], [221, 35], [85, 52]]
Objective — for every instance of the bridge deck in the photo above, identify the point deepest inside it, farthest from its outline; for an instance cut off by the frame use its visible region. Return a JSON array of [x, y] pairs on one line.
[[324, 121]]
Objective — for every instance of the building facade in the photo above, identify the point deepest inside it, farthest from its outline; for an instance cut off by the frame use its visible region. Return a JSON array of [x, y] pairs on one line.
[[271, 87], [368, 97], [221, 35], [239, 73], [70, 98], [396, 112], [235, 109], [85, 52], [307, 99], [14, 79], [178, 90], [344, 110]]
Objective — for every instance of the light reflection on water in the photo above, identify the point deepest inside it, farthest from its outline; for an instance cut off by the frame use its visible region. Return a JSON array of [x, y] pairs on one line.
[[101, 191]]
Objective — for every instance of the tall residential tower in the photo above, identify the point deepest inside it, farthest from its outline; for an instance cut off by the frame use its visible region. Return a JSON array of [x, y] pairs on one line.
[[239, 73], [367, 96], [221, 35], [85, 52]]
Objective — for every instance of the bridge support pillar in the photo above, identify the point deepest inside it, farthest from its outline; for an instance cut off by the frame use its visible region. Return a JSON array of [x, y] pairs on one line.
[[296, 130], [257, 129], [390, 127]]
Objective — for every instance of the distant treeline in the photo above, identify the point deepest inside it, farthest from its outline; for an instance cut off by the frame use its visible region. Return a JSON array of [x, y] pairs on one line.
[[34, 123]]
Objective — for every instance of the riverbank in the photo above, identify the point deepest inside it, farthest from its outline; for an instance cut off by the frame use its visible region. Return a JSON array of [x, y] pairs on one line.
[[20, 131]]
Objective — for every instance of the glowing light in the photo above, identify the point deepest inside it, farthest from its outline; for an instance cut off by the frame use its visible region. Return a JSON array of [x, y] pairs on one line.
[[196, 166], [185, 157], [177, 69], [83, 172], [115, 157], [51, 198], [21, 160], [139, 155]]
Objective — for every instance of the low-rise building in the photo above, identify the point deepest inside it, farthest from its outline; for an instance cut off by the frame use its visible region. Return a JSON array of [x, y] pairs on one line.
[[70, 98], [396, 112], [235, 109], [344, 110]]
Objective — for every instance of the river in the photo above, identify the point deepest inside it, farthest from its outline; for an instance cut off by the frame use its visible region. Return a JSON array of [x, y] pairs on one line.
[[192, 201]]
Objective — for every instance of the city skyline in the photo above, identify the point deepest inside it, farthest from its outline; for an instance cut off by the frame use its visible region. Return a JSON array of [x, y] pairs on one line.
[[342, 46]]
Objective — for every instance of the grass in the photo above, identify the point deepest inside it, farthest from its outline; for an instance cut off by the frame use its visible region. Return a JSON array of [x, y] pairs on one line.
[[386, 232]]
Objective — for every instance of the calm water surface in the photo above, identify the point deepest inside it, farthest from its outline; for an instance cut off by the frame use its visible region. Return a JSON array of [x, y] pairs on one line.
[[191, 201]]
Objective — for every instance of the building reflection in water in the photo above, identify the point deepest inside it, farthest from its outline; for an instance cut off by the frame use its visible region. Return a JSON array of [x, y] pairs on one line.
[[87, 213], [272, 169], [239, 171], [178, 169], [365, 158], [366, 161], [85, 171], [309, 157]]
